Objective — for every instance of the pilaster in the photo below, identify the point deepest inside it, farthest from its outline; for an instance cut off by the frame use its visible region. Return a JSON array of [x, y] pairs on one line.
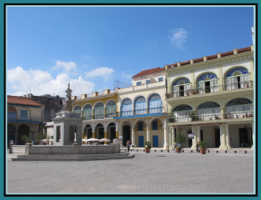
[[194, 141], [133, 137], [222, 138]]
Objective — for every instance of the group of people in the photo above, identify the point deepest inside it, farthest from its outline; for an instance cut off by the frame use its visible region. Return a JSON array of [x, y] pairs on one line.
[[179, 146]]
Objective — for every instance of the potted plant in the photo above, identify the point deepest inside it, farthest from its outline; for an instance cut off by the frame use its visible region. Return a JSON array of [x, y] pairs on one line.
[[216, 117], [147, 146], [194, 92], [203, 147], [167, 95], [187, 92], [237, 116], [207, 90], [182, 139], [210, 118], [228, 115], [177, 149], [192, 116]]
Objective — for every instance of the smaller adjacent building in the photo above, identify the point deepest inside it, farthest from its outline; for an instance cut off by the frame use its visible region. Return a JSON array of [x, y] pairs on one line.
[[25, 117]]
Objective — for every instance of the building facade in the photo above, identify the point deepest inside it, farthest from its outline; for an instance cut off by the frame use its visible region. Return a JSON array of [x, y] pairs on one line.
[[25, 117], [53, 104], [212, 97], [142, 110], [98, 111]]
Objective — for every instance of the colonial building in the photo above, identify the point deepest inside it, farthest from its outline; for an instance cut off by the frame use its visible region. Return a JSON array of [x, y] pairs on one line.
[[98, 110], [142, 110], [25, 117], [53, 104], [212, 97]]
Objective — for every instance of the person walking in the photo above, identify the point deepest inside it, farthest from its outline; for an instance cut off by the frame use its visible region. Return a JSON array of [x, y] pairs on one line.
[[198, 145], [128, 145], [179, 145], [33, 143]]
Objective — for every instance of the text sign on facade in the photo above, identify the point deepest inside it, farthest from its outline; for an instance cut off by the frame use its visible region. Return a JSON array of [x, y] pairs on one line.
[[120, 137], [191, 136]]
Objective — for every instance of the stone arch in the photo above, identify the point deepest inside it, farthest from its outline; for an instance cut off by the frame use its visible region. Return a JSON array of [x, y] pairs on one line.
[[139, 119], [229, 72], [137, 97], [182, 107], [121, 124], [152, 119], [126, 100], [96, 124], [151, 96], [22, 130], [11, 109], [87, 106], [84, 125], [206, 75], [204, 101], [77, 108], [239, 101], [209, 104], [178, 79], [110, 102], [98, 104], [232, 98]]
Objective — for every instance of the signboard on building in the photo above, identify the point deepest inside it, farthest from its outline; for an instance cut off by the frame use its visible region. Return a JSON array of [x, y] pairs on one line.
[[120, 137], [191, 136]]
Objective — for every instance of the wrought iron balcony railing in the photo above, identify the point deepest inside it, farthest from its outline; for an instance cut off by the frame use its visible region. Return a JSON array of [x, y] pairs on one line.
[[232, 115], [210, 89], [139, 112], [36, 119]]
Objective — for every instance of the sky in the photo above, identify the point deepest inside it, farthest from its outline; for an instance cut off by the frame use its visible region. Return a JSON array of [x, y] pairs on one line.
[[92, 47]]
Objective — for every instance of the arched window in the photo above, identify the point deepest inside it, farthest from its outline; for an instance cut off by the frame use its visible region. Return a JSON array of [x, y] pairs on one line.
[[77, 109], [126, 107], [209, 110], [140, 106], [99, 110], [207, 82], [181, 87], [237, 78], [24, 115], [12, 114], [182, 113], [111, 109], [239, 107], [87, 112], [155, 104]]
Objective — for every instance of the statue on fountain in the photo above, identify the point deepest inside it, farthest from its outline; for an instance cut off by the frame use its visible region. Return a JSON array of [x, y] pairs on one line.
[[68, 101]]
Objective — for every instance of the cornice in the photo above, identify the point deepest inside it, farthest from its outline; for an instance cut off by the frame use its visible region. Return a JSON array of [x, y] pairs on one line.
[[211, 63], [94, 98]]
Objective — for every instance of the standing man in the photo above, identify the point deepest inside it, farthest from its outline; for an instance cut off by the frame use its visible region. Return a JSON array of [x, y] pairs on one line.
[[33, 142], [179, 145]]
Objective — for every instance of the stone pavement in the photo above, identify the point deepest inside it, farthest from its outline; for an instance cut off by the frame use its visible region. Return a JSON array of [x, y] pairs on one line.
[[156, 172]]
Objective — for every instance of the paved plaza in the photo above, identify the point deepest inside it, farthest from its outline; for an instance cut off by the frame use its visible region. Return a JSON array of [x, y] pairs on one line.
[[156, 172]]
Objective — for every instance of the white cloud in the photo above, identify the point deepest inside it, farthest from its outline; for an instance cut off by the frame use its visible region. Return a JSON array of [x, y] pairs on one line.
[[101, 71], [126, 75], [67, 66], [40, 82], [178, 37]]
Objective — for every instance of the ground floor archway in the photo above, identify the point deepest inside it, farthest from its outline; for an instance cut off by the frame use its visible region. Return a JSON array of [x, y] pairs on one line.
[[22, 130]]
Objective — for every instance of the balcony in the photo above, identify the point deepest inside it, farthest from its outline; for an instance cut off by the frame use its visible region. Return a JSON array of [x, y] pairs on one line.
[[110, 115], [27, 119], [232, 115], [210, 89], [139, 112]]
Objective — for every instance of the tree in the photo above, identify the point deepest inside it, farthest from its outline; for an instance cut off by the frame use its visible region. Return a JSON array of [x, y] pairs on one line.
[[182, 139]]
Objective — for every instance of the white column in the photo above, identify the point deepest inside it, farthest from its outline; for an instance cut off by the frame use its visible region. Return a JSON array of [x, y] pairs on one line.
[[198, 133], [194, 141], [253, 137], [120, 134], [172, 139], [166, 146], [148, 134], [227, 136], [133, 137], [222, 138], [15, 138]]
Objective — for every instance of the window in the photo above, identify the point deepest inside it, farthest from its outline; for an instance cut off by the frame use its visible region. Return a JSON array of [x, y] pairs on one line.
[[58, 133], [23, 114], [160, 79], [138, 83], [155, 125], [140, 126], [147, 81]]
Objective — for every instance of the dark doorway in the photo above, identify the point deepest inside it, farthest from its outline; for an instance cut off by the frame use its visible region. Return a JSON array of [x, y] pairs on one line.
[[113, 133], [22, 130], [217, 137], [244, 138], [11, 134], [89, 133], [207, 86], [126, 134], [181, 90]]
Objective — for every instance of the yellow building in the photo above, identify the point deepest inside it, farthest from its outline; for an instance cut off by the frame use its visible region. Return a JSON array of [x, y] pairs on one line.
[[98, 110], [212, 97]]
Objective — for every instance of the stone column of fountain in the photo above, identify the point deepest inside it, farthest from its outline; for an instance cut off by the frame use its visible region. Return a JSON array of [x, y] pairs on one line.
[[67, 124]]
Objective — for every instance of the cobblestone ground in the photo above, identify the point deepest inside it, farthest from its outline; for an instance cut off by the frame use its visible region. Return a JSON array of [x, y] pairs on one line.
[[146, 173]]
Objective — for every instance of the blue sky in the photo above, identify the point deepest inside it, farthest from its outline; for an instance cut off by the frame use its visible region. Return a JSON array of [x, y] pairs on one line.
[[91, 47]]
